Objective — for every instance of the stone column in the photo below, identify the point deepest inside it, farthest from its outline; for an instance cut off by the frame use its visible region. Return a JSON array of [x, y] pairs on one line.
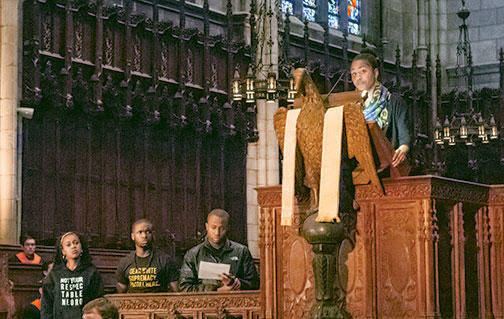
[[263, 156], [262, 168], [9, 32]]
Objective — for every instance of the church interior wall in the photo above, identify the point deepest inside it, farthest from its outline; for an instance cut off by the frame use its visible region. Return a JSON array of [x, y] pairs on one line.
[[486, 35], [409, 25]]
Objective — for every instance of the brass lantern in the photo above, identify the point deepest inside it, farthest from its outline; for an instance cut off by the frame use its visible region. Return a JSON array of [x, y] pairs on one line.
[[249, 87], [237, 96], [271, 88]]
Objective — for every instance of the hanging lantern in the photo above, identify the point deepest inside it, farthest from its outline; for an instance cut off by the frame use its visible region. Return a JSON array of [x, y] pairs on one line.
[[438, 138], [494, 134], [481, 127], [291, 93], [249, 87], [485, 140], [237, 96], [446, 129], [452, 141], [463, 128], [271, 86]]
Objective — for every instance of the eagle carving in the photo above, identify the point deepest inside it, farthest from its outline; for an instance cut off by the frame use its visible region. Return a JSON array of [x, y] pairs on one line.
[[309, 133]]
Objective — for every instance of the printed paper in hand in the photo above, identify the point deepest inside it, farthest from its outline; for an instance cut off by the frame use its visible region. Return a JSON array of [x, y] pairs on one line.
[[208, 270]]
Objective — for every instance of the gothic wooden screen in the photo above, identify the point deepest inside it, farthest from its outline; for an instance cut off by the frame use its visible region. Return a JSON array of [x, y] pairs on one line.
[[131, 120]]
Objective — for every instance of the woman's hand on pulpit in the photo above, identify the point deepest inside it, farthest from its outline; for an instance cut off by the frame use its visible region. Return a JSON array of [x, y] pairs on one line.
[[399, 155], [230, 282]]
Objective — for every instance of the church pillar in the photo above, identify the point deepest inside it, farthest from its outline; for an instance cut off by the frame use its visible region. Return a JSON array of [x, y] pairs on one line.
[[262, 168], [263, 157], [9, 32]]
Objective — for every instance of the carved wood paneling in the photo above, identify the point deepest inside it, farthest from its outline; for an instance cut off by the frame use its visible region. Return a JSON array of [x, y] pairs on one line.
[[397, 238], [240, 304], [418, 187], [298, 280], [120, 95], [361, 279]]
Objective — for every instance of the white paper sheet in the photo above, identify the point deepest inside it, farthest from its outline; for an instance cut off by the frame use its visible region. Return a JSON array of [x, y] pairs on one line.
[[208, 270]]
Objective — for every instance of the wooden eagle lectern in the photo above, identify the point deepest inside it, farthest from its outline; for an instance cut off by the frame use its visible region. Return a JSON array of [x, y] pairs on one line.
[[326, 237]]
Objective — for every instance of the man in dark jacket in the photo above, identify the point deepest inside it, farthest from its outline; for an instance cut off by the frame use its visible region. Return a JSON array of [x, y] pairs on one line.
[[218, 249]]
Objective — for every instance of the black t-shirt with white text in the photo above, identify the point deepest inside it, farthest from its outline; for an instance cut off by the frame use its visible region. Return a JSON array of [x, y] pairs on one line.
[[153, 273]]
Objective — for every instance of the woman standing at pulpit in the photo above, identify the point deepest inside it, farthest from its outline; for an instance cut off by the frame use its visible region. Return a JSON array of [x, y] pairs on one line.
[[387, 109], [73, 281]]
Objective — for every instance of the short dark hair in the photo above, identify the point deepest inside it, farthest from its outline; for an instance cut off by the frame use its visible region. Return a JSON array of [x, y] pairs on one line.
[[369, 56], [25, 237], [105, 308], [219, 212], [140, 221]]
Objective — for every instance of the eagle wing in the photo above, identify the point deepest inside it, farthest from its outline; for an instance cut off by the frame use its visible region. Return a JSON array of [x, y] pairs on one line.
[[279, 120], [359, 146], [309, 131]]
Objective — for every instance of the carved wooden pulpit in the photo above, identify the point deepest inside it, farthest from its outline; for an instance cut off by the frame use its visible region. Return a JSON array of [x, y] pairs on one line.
[[431, 247], [428, 247]]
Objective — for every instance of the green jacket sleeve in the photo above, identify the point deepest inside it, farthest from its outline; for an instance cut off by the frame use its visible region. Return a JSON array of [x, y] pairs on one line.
[[188, 280], [250, 279], [401, 134]]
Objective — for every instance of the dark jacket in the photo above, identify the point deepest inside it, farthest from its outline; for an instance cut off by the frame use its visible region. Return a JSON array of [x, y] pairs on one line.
[[396, 126], [65, 291], [235, 254]]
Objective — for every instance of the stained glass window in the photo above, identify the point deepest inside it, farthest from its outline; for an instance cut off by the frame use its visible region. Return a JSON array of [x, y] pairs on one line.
[[354, 16], [288, 7], [333, 21], [333, 14], [309, 7]]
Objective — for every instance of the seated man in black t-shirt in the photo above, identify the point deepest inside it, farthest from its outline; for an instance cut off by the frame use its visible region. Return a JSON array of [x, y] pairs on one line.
[[146, 269]]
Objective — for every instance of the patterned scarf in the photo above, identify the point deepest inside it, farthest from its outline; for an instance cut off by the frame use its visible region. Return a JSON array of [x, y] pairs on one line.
[[375, 110]]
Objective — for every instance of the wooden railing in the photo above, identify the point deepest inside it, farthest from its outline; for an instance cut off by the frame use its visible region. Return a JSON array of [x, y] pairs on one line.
[[240, 304]]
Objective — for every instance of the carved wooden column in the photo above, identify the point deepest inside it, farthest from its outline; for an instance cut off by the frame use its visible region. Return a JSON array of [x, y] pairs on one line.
[[270, 200], [496, 251], [457, 256], [287, 281], [483, 241]]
